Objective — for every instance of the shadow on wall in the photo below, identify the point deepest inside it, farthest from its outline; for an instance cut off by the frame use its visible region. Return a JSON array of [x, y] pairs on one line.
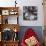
[[37, 29]]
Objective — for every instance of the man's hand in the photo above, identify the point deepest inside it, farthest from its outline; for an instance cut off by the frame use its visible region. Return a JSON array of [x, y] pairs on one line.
[[32, 41]]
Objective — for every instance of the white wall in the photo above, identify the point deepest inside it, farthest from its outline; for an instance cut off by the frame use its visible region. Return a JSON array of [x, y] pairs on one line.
[[37, 3], [22, 3], [7, 3]]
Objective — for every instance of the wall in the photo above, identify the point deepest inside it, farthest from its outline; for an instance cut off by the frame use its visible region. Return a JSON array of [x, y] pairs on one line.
[[7, 3], [22, 3], [37, 3]]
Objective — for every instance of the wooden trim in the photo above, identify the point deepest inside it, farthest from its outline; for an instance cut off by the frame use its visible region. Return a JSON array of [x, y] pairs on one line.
[[11, 26], [5, 8]]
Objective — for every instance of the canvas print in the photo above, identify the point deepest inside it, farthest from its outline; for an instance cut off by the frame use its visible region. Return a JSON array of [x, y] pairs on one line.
[[30, 12], [9, 34], [9, 20], [5, 12], [29, 36], [5, 20]]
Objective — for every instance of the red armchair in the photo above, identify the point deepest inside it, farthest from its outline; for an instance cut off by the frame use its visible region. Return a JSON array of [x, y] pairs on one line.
[[28, 34]]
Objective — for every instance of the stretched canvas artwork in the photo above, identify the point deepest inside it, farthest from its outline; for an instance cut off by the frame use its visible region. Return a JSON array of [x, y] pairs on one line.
[[8, 34], [30, 12], [9, 20]]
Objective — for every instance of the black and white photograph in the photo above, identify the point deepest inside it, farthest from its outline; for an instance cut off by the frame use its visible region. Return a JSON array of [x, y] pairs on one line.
[[9, 20], [30, 12]]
